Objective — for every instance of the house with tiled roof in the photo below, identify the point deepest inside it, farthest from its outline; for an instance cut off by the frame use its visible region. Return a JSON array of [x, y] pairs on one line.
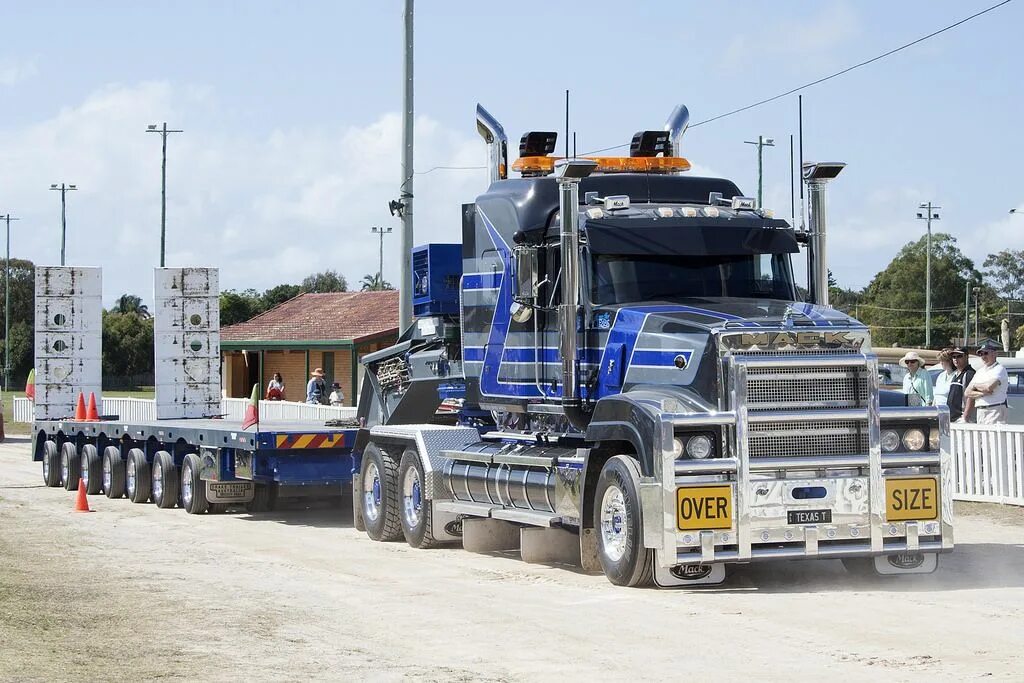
[[329, 331]]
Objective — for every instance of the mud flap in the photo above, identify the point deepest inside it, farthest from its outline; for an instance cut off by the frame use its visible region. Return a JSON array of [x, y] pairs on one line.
[[907, 563], [446, 526], [688, 575]]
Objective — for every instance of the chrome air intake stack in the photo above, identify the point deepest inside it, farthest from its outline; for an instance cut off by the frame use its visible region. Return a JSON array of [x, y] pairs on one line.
[[497, 144], [676, 125], [817, 176]]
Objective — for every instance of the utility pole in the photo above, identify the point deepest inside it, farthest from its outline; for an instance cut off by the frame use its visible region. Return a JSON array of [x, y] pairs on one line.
[[7, 306], [152, 128], [932, 214], [761, 143], [967, 312], [405, 199], [380, 232], [63, 189]]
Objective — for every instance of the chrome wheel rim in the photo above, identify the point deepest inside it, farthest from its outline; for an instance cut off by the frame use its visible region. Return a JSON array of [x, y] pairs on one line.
[[614, 524], [158, 479], [107, 474], [130, 480], [412, 498], [46, 468], [186, 485], [83, 469], [371, 492], [65, 470]]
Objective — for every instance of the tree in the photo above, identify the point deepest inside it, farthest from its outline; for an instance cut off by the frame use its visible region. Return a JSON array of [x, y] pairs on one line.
[[375, 283], [279, 294], [237, 307], [23, 290], [129, 304], [1004, 273], [21, 350], [327, 281], [127, 345], [894, 301]]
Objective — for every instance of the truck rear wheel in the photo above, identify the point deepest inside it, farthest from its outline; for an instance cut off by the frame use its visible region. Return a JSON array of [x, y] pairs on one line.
[[113, 472], [165, 480], [69, 467], [92, 475], [619, 524], [51, 464], [193, 489], [136, 480], [380, 495], [415, 509]]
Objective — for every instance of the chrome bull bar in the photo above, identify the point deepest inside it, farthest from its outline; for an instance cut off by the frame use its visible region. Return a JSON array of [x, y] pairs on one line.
[[737, 469]]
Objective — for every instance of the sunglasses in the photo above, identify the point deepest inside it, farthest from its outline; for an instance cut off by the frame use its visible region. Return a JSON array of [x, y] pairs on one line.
[[911, 361]]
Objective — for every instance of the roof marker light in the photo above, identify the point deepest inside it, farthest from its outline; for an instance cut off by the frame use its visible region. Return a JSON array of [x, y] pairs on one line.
[[710, 211], [688, 212], [665, 211], [595, 213]]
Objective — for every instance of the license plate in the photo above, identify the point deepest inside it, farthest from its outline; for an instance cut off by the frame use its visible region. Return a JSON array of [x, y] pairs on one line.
[[704, 507], [911, 499], [809, 516]]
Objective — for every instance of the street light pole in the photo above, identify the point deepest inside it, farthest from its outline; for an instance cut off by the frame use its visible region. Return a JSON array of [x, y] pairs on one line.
[[63, 189], [380, 232], [761, 143], [152, 128], [932, 214], [7, 306]]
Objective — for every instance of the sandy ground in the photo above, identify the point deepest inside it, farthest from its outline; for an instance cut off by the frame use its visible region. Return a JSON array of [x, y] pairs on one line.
[[132, 591]]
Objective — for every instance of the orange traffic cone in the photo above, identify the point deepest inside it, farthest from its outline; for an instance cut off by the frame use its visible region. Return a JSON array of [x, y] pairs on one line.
[[82, 502], [80, 408], [92, 415]]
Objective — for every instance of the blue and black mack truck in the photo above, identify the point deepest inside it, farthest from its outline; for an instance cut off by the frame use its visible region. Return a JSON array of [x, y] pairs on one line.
[[640, 388]]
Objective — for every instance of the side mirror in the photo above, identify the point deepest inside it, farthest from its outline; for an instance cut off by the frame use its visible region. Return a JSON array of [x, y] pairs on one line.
[[526, 273]]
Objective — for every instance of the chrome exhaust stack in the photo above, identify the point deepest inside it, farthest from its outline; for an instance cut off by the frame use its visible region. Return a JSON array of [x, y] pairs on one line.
[[817, 176], [676, 125], [497, 144]]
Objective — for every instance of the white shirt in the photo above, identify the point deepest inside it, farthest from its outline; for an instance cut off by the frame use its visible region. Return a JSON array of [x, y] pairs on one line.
[[987, 374]]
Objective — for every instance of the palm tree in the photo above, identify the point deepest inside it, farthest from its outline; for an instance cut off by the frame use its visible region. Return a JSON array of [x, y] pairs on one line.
[[375, 283], [129, 303]]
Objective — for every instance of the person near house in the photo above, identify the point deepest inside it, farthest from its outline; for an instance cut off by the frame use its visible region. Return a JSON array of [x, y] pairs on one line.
[[337, 395], [275, 388], [963, 373], [944, 378], [987, 391], [917, 382], [316, 389]]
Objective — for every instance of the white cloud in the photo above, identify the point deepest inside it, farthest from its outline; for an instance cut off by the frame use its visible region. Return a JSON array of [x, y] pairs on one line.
[[814, 37], [15, 72], [264, 210]]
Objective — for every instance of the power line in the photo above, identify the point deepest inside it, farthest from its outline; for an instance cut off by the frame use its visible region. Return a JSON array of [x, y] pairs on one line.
[[833, 75], [450, 168]]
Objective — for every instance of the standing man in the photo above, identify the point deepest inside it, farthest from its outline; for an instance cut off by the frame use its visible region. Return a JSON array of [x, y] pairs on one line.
[[316, 388], [987, 392], [963, 373]]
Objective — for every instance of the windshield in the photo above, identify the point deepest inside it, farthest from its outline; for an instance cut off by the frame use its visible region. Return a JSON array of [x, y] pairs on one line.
[[625, 279]]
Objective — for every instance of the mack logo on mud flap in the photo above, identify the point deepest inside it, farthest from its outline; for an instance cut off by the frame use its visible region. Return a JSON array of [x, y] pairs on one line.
[[454, 528], [783, 339], [906, 560], [691, 572]]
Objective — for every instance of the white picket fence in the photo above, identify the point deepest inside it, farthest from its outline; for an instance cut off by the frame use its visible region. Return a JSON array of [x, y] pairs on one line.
[[144, 410]]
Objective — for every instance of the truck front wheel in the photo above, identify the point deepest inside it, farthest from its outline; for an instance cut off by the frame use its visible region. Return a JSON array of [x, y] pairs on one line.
[[619, 524], [380, 495]]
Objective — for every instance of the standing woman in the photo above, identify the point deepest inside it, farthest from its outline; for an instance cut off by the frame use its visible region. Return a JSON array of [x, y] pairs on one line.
[[944, 378], [917, 382]]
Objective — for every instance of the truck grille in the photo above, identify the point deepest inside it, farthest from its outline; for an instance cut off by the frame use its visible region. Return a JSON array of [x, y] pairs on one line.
[[818, 386], [796, 439]]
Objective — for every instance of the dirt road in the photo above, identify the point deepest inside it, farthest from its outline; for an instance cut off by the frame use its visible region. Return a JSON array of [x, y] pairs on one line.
[[132, 591]]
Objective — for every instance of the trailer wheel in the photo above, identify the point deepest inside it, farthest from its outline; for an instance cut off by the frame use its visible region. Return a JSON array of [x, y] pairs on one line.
[[113, 472], [380, 495], [417, 524], [619, 526], [193, 489], [264, 498], [165, 480], [92, 469], [51, 464], [136, 480], [69, 467]]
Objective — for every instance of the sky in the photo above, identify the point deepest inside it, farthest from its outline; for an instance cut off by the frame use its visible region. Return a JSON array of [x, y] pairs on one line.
[[292, 129]]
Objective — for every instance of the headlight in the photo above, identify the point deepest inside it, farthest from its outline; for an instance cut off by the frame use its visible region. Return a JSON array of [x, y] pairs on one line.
[[677, 447], [913, 439], [933, 440], [698, 447], [890, 440]]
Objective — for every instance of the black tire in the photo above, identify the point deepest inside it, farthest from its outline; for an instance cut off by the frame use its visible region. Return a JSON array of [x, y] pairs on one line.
[[69, 467], [92, 469], [113, 472], [264, 498], [379, 497], [193, 489], [620, 546], [165, 480], [137, 477], [414, 509], [51, 464]]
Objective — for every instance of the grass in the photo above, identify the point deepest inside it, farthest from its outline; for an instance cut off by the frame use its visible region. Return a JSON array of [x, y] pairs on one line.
[[12, 427]]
